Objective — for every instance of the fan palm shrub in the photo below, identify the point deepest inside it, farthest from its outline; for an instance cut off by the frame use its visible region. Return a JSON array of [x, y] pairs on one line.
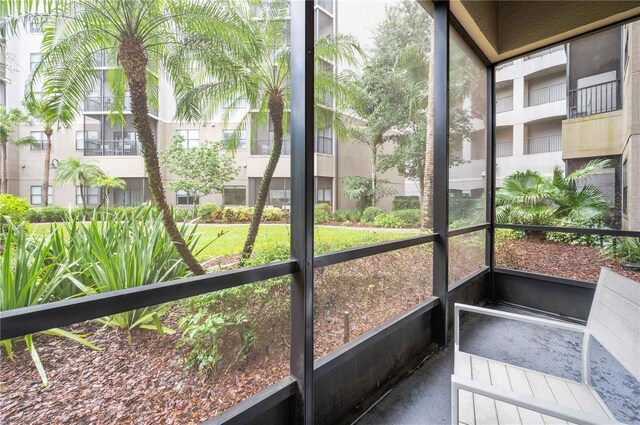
[[30, 275], [139, 40], [531, 198]]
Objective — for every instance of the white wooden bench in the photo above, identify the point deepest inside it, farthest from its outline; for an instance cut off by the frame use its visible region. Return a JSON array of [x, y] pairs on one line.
[[485, 391]]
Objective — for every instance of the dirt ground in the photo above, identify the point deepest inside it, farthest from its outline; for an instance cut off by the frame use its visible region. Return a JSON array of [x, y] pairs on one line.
[[144, 380]]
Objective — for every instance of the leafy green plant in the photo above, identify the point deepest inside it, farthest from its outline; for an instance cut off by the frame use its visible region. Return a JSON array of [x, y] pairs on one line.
[[115, 252], [13, 207], [388, 220], [625, 249], [321, 213], [30, 276], [370, 214], [409, 218], [206, 211], [530, 198], [406, 203]]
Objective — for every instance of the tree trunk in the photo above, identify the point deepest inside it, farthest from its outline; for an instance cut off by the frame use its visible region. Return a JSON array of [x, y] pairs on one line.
[[276, 108], [427, 194], [48, 131], [3, 162], [134, 63]]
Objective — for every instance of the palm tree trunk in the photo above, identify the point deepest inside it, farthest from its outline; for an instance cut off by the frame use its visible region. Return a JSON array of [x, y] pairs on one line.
[[427, 190], [3, 163], [276, 108], [134, 63], [48, 131]]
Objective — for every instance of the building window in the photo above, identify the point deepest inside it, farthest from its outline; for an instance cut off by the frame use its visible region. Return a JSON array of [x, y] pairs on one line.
[[191, 138], [324, 196], [34, 26], [34, 60], [40, 140], [183, 198], [280, 193], [36, 195], [324, 141], [625, 185], [88, 137], [91, 195], [241, 143], [234, 195]]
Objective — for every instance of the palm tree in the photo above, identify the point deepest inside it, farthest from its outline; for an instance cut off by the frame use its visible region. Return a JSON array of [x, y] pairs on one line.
[[8, 120], [267, 89], [531, 198], [140, 39], [50, 114], [107, 183], [73, 170]]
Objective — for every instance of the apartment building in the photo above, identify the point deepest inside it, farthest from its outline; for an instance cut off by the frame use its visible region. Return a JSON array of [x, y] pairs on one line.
[[116, 150], [563, 107]]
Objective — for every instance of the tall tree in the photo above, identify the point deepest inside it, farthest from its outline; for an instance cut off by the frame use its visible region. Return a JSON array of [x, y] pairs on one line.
[[73, 170], [9, 119], [140, 39], [51, 114], [201, 170], [267, 87]]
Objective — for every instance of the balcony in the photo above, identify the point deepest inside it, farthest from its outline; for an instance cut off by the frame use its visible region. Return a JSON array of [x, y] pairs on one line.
[[596, 99], [504, 104], [112, 148], [544, 52], [103, 104], [543, 144], [265, 147], [544, 95], [504, 149]]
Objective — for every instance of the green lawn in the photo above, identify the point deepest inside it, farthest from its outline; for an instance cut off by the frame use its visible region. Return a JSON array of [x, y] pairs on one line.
[[271, 235]]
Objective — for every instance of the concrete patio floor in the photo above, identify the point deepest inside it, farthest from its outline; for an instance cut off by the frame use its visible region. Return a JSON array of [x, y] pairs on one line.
[[424, 396]]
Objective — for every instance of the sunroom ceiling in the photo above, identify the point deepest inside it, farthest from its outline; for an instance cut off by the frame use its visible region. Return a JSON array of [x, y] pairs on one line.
[[504, 29]]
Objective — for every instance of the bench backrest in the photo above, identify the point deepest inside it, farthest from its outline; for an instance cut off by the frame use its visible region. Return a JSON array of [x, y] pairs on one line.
[[614, 319]]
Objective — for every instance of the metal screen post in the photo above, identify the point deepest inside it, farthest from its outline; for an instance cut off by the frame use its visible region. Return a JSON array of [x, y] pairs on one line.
[[491, 175], [441, 169], [302, 106]]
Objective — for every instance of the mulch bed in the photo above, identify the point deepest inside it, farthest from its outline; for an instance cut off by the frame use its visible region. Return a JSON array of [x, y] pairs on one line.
[[145, 381], [557, 259]]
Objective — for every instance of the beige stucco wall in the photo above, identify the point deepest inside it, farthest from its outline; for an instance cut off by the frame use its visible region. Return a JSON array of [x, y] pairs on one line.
[[591, 136]]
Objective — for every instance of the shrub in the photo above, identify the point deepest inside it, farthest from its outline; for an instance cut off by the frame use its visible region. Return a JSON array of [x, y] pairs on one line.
[[275, 214], [206, 211], [13, 207], [30, 276], [53, 213], [321, 213], [406, 203], [573, 238], [230, 214], [409, 218], [387, 220], [625, 249], [80, 213], [370, 214]]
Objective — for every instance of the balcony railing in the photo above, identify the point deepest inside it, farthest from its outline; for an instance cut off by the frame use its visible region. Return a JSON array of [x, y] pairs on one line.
[[504, 104], [264, 147], [596, 99], [326, 5], [111, 148], [545, 94], [100, 103], [543, 144], [544, 52], [504, 149]]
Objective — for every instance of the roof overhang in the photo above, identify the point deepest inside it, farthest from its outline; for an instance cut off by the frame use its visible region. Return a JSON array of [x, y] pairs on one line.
[[506, 29]]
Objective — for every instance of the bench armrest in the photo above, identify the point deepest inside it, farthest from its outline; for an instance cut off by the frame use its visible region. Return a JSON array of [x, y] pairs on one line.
[[511, 316], [527, 402]]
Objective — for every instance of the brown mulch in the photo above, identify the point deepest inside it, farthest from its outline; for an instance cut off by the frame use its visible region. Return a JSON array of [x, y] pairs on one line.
[[145, 380], [557, 259]]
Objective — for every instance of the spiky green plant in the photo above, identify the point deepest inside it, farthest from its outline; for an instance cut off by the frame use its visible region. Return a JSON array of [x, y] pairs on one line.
[[30, 276]]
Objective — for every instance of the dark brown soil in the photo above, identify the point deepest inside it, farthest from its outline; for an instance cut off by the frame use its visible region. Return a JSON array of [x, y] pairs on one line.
[[557, 259], [145, 381]]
